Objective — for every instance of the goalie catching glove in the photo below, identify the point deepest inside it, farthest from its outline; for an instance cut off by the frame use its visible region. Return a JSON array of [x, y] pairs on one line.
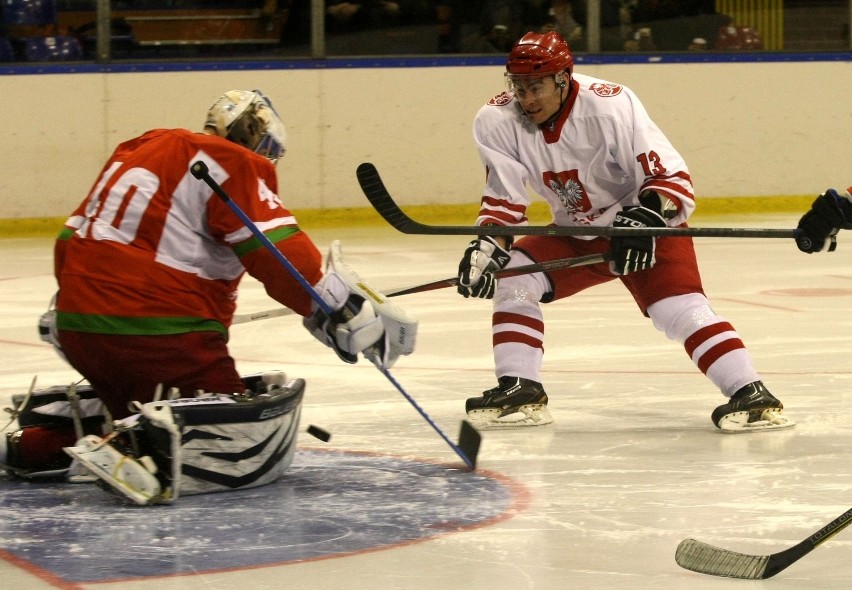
[[363, 320], [482, 258], [818, 227]]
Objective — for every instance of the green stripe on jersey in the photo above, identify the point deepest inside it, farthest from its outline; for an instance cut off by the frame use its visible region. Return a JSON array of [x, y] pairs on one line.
[[107, 324], [275, 235]]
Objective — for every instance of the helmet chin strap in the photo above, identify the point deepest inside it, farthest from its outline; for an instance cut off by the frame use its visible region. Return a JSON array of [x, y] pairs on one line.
[[564, 93]]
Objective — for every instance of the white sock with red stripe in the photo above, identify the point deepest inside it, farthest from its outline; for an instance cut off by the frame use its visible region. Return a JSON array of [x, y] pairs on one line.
[[517, 325], [711, 342]]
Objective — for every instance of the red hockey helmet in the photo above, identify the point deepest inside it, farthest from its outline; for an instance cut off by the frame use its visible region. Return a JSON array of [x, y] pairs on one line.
[[539, 54]]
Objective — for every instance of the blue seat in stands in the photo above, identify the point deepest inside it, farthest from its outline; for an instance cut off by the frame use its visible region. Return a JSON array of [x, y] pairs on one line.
[[28, 12], [6, 51], [59, 48]]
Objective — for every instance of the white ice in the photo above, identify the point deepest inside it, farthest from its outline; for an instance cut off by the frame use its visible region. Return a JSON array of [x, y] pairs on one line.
[[632, 465]]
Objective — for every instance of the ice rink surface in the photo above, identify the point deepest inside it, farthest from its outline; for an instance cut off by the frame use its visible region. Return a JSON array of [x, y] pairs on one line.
[[598, 500]]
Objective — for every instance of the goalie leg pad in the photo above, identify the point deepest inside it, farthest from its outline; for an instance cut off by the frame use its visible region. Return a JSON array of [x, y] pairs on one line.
[[224, 442], [210, 443], [51, 406], [48, 420], [400, 328]]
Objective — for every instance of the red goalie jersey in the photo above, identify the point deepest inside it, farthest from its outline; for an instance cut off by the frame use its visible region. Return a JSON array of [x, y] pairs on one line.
[[185, 249]]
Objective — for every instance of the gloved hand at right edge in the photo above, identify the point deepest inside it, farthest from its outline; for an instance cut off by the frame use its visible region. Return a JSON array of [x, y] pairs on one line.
[[818, 228]]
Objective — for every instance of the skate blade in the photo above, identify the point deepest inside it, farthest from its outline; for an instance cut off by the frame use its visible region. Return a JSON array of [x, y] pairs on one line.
[[738, 422], [525, 416]]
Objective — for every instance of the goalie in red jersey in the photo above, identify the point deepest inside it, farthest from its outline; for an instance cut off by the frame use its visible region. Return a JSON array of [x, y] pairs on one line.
[[148, 267]]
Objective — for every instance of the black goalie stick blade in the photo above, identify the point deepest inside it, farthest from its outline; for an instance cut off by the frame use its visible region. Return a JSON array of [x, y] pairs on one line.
[[469, 441], [375, 191], [707, 559]]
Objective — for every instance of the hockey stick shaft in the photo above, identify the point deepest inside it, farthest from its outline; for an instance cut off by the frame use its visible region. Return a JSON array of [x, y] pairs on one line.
[[707, 559], [375, 191], [510, 272], [200, 171], [450, 282]]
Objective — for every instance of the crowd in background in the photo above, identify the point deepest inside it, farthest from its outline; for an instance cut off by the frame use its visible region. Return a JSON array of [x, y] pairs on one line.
[[405, 27], [625, 25], [492, 26], [485, 26]]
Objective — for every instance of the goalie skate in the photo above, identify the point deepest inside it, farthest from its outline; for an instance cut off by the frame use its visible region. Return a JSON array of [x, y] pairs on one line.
[[751, 409], [130, 477], [515, 402]]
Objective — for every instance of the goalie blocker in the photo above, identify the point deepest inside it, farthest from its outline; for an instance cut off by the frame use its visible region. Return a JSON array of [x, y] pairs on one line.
[[187, 446]]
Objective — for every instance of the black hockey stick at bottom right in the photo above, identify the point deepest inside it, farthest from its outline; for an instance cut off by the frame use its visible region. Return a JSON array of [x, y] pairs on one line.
[[715, 561]]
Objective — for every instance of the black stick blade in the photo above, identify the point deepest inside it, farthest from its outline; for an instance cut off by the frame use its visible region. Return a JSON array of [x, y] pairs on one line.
[[715, 561], [469, 441], [707, 559], [379, 197]]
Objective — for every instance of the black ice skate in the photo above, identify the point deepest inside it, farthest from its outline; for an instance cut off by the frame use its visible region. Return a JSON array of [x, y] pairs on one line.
[[752, 408], [514, 402]]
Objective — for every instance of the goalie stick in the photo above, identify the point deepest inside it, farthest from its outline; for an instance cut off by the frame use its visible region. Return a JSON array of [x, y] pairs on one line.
[[469, 437], [707, 559], [375, 191], [450, 282]]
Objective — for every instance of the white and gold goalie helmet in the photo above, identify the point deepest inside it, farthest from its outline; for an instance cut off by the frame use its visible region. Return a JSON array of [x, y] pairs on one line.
[[249, 119]]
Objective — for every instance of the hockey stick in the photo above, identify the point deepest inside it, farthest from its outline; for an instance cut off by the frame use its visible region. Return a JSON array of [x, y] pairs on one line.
[[450, 282], [375, 191], [469, 437], [715, 561]]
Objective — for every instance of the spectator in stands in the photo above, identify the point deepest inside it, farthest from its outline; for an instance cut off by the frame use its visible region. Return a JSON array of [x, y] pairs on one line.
[[344, 16], [673, 23], [568, 18], [500, 25], [449, 31], [642, 40], [564, 17], [698, 44]]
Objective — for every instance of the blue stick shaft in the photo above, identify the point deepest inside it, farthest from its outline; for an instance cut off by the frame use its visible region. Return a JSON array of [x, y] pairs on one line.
[[199, 170], [410, 399]]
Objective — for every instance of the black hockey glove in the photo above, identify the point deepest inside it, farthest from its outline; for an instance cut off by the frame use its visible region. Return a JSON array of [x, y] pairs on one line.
[[818, 227], [634, 253], [482, 258]]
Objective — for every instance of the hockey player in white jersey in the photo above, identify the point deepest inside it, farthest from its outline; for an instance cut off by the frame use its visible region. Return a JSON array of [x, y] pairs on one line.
[[590, 149]]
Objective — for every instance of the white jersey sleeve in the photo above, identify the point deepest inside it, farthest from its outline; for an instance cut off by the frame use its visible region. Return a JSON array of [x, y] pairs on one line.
[[495, 130]]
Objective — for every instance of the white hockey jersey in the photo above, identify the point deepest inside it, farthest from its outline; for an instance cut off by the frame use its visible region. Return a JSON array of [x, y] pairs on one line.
[[588, 164]]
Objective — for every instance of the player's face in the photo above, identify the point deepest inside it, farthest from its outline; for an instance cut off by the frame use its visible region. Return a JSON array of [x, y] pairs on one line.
[[540, 98]]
